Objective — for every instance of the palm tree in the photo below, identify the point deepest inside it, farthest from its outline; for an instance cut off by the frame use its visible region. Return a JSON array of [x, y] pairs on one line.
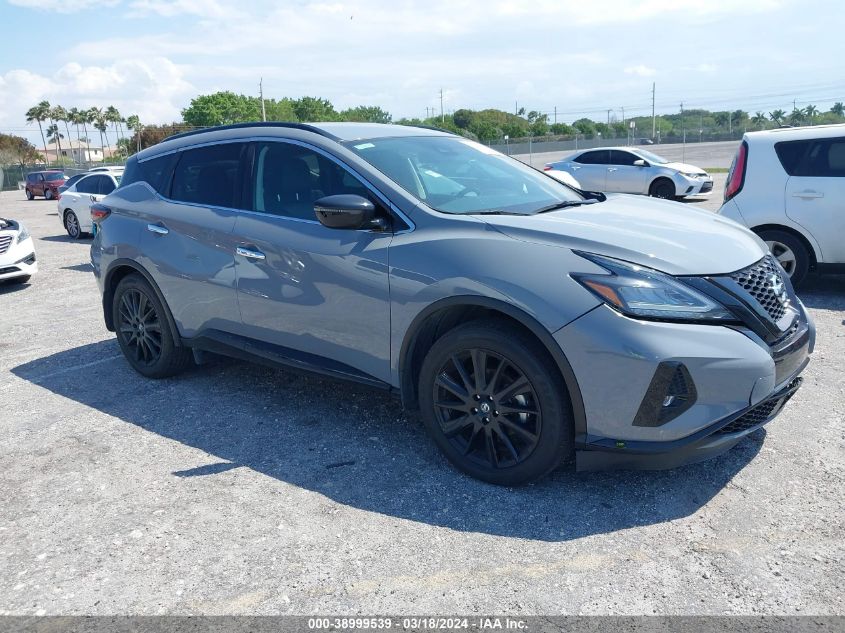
[[811, 112], [759, 119], [55, 136], [38, 114], [61, 115], [101, 124], [721, 119], [134, 123], [796, 117], [87, 117], [113, 117], [838, 109], [777, 116], [75, 116]]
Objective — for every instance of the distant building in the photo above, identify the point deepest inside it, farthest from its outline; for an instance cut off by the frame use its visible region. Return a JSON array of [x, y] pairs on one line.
[[79, 152]]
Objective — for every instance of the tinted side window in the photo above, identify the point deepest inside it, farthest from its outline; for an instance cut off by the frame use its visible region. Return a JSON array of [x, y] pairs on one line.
[[89, 184], [593, 158], [288, 179], [791, 154], [618, 157], [154, 171], [106, 185], [209, 175]]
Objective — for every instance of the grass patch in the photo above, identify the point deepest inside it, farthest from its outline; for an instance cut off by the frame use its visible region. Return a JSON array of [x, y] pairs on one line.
[[716, 170]]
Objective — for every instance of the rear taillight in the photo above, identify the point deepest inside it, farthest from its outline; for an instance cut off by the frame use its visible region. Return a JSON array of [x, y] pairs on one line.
[[736, 174], [99, 212], [547, 167]]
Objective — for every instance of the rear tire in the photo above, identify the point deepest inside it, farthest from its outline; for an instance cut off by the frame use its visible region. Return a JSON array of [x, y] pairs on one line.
[[495, 404], [662, 188], [144, 332], [790, 252], [29, 195], [48, 194], [72, 225]]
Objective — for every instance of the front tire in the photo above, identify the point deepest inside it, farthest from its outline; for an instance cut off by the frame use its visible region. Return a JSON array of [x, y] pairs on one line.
[[48, 194], [72, 225], [662, 188], [495, 404], [143, 331]]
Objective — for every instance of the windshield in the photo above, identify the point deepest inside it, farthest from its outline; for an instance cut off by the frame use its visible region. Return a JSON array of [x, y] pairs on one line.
[[455, 175], [54, 175], [651, 157]]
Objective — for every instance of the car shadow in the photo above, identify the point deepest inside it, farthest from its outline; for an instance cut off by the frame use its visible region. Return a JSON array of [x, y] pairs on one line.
[[10, 286], [355, 446], [82, 268], [66, 238], [823, 291]]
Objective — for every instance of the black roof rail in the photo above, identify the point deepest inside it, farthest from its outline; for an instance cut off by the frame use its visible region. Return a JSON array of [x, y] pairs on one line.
[[235, 126]]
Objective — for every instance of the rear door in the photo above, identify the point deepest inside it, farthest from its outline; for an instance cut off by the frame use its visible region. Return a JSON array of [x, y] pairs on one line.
[[590, 169], [80, 197], [622, 175], [186, 236], [815, 191], [305, 287]]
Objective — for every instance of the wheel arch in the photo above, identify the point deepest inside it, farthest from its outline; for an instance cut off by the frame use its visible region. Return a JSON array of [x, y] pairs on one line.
[[811, 250], [443, 315], [660, 177], [119, 269]]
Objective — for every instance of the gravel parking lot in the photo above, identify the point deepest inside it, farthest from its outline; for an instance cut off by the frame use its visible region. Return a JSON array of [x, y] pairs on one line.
[[239, 489]]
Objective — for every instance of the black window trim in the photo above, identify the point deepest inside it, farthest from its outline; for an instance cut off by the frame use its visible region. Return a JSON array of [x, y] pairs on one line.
[[593, 151], [172, 172], [801, 161], [251, 141]]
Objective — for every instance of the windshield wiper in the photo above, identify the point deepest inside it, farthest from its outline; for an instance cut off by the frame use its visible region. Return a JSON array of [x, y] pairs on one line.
[[494, 212], [564, 205]]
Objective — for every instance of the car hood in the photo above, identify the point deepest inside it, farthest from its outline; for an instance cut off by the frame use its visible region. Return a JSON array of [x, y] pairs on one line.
[[684, 167], [668, 236]]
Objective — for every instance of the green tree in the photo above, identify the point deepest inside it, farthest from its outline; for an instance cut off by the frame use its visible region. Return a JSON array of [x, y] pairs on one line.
[[777, 116], [221, 108], [314, 109], [281, 110], [98, 118], [76, 117], [759, 119], [15, 150], [561, 129], [811, 112], [39, 114], [463, 118], [366, 114], [796, 117], [133, 123], [838, 109], [114, 117], [61, 115]]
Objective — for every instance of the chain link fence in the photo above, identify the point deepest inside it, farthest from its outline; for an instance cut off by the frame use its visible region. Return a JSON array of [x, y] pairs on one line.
[[13, 176]]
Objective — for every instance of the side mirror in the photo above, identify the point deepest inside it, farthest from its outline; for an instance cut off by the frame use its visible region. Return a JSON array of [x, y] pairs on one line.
[[640, 163], [345, 211]]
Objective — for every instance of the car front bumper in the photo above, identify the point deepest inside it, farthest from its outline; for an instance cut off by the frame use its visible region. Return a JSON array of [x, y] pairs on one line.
[[696, 187], [739, 384]]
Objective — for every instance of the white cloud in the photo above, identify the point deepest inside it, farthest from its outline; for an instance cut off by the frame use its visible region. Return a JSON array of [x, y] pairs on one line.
[[640, 70], [63, 6], [207, 9]]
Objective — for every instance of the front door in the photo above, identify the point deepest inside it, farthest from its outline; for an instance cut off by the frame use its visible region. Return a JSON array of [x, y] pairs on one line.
[[815, 195], [622, 175], [301, 285], [590, 169]]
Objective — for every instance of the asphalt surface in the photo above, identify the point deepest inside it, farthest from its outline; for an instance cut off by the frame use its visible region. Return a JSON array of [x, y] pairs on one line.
[[239, 489]]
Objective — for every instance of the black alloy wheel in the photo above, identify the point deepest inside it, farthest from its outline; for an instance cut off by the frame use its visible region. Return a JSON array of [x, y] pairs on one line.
[[495, 403], [487, 408], [144, 332]]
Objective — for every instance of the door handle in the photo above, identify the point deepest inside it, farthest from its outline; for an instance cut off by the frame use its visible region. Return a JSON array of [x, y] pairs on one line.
[[808, 194], [158, 229], [250, 253], [611, 169], [574, 167]]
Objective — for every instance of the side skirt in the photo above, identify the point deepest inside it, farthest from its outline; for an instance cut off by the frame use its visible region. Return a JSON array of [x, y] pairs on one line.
[[248, 349]]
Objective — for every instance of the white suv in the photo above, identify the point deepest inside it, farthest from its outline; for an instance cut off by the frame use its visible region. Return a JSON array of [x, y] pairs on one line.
[[788, 186]]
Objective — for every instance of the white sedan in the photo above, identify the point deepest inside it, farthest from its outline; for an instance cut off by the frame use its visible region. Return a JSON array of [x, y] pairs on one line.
[[634, 170], [74, 205], [17, 252]]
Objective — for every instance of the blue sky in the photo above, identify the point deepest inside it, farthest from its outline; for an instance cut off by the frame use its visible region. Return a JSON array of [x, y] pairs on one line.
[[149, 57]]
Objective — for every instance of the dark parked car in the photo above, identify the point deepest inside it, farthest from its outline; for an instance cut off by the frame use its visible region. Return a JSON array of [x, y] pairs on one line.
[[44, 183]]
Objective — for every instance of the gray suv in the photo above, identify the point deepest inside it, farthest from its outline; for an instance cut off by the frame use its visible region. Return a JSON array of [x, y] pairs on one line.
[[527, 321]]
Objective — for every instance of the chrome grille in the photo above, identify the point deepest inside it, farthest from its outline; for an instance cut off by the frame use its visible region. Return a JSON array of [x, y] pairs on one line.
[[765, 283], [5, 240]]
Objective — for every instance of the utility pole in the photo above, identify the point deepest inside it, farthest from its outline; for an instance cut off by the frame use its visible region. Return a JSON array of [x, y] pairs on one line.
[[261, 92], [608, 116], [516, 107], [442, 117], [555, 114], [684, 126], [653, 120], [623, 115]]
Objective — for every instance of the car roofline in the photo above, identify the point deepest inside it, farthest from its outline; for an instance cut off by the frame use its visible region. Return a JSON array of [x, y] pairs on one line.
[[256, 124]]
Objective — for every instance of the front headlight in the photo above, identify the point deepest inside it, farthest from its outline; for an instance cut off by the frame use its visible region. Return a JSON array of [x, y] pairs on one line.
[[694, 176], [641, 292], [23, 233]]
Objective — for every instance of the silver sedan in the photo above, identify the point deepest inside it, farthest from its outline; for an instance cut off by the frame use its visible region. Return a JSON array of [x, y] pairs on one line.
[[634, 170]]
